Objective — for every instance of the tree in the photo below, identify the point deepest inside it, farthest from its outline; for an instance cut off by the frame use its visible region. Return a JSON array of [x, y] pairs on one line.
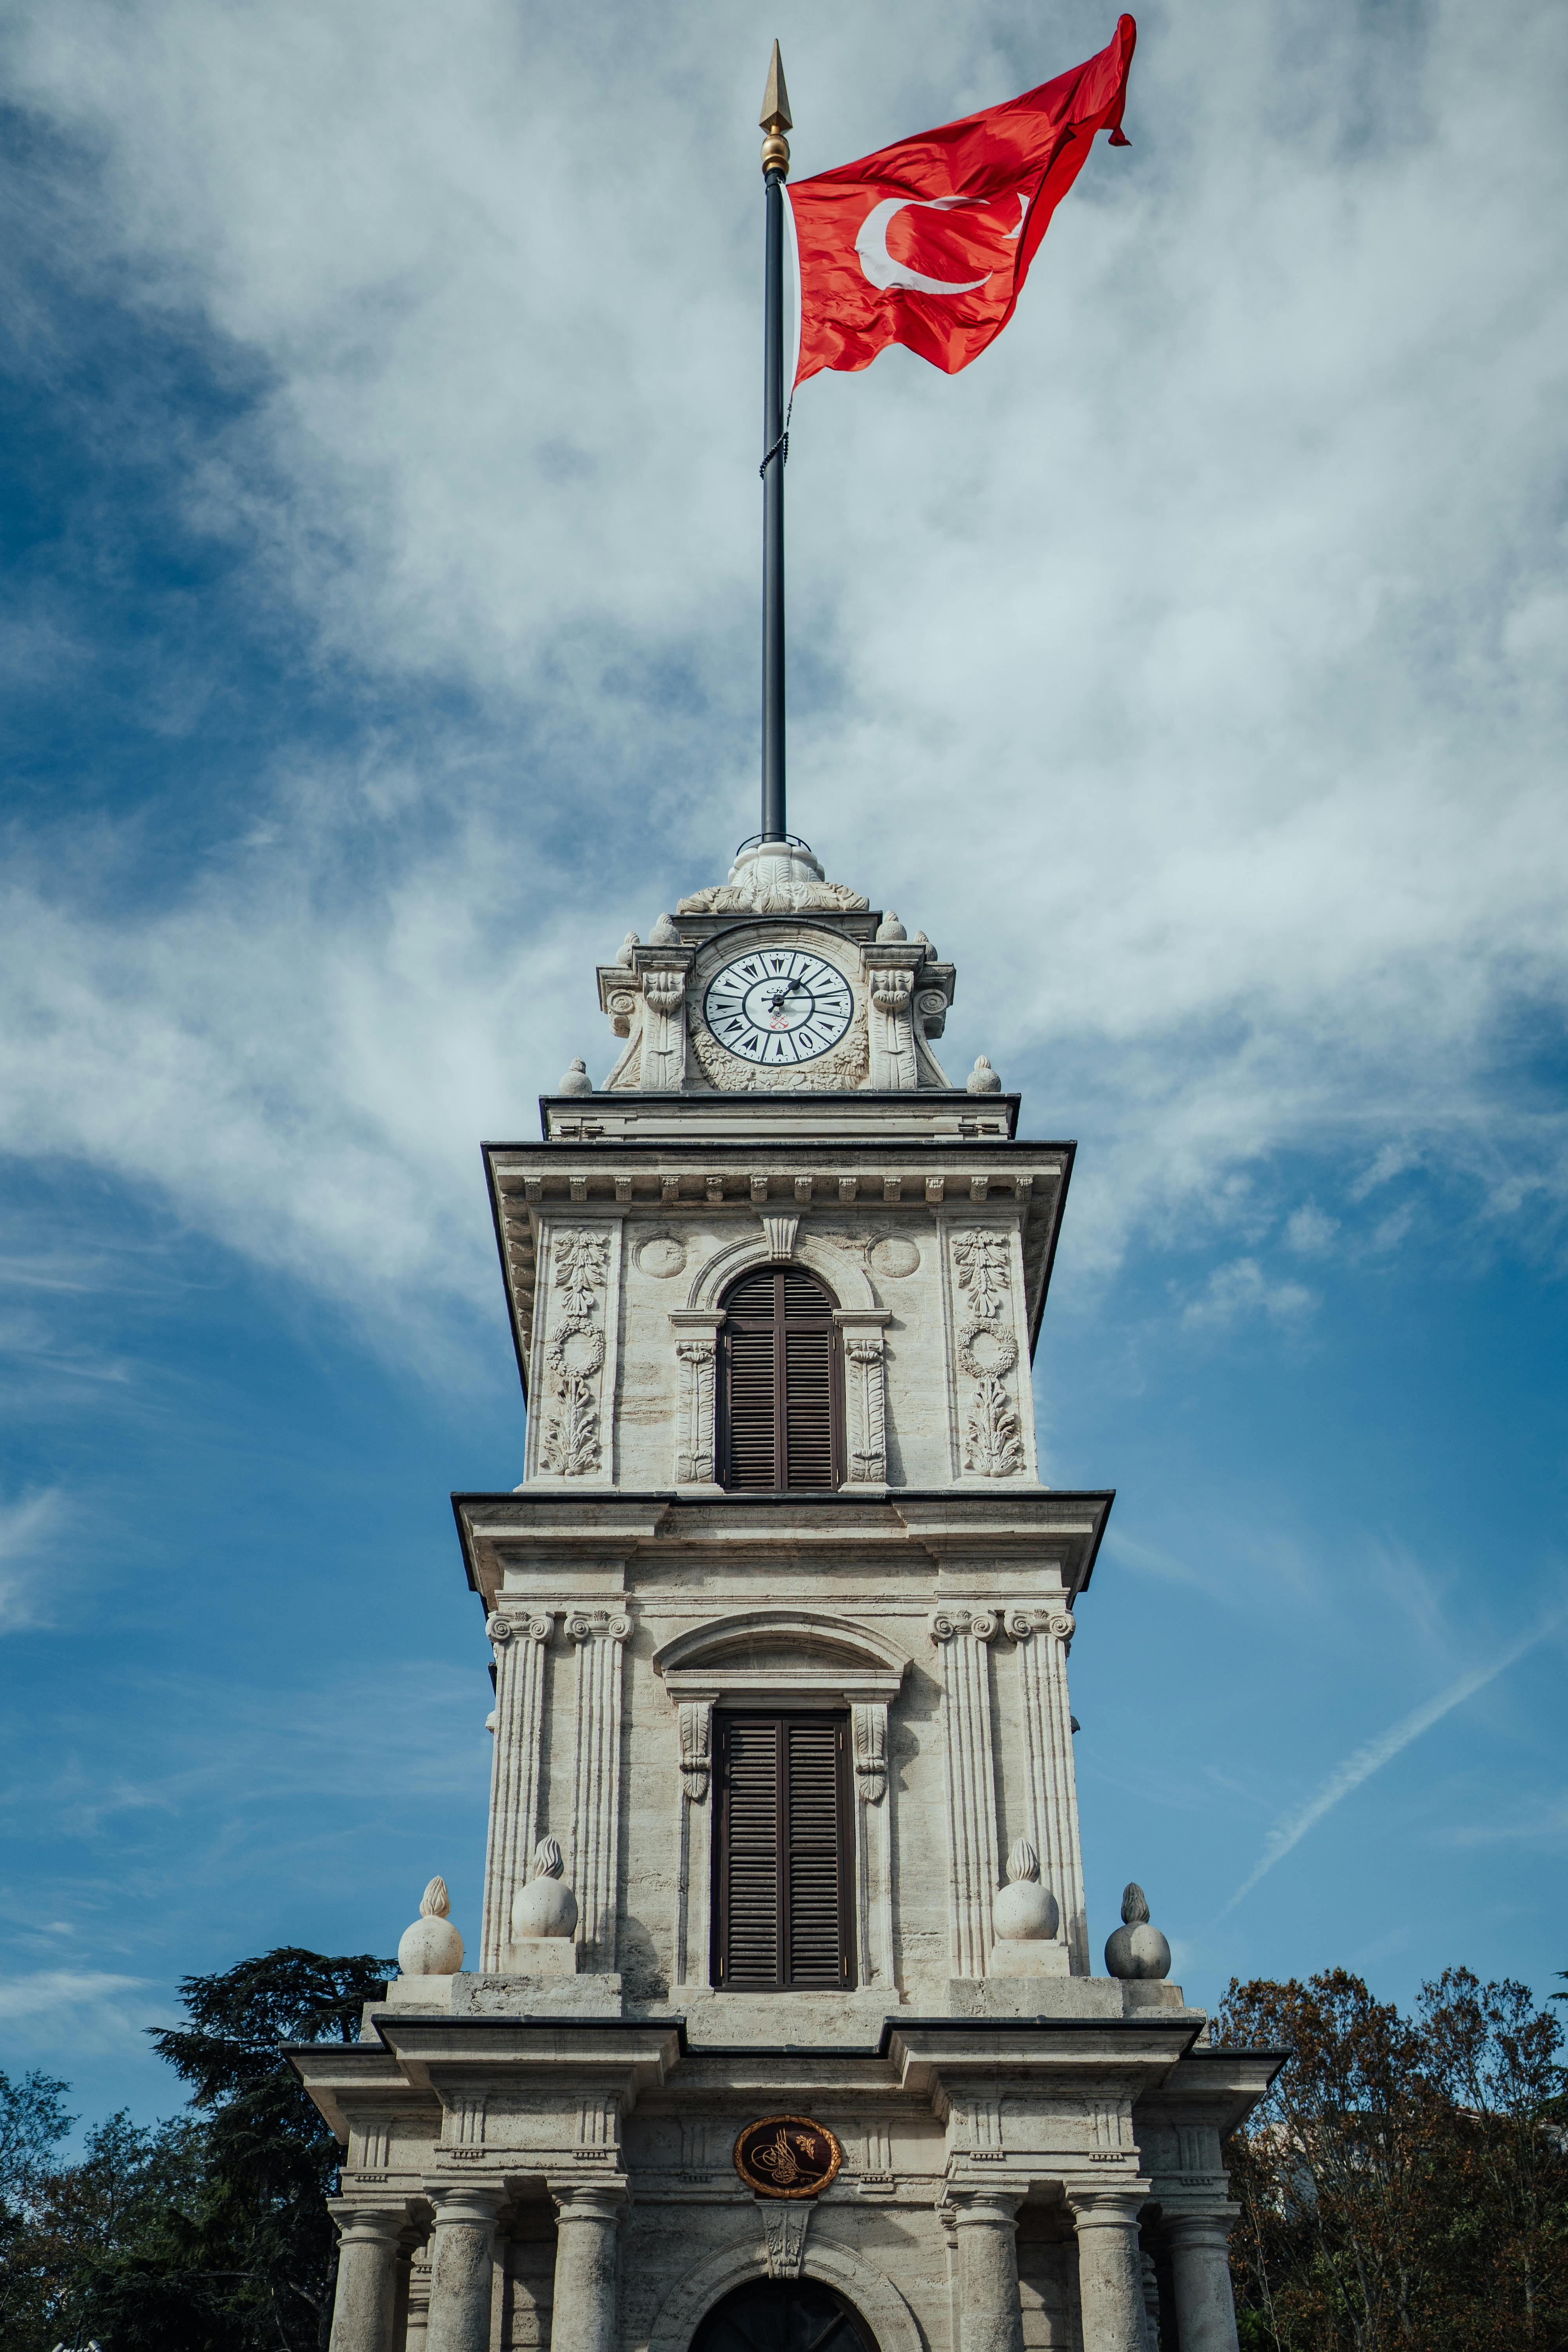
[[271, 2161], [1403, 2183], [208, 2233]]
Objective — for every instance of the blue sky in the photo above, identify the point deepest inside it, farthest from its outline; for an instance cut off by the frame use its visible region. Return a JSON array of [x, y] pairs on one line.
[[379, 526]]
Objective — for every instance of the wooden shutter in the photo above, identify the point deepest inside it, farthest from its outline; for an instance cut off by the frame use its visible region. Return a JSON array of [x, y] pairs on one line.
[[780, 1396], [782, 1834]]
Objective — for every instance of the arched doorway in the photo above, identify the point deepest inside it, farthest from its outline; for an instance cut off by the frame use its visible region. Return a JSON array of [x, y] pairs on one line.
[[783, 2316]]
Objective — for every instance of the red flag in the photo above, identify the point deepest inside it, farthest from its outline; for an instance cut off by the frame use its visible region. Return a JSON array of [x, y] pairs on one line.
[[929, 243]]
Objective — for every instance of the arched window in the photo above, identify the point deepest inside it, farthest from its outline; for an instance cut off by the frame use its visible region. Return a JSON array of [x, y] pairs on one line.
[[781, 1397]]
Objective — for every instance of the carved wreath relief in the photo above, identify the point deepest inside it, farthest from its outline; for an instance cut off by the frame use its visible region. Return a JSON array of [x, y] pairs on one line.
[[574, 1354], [987, 1352]]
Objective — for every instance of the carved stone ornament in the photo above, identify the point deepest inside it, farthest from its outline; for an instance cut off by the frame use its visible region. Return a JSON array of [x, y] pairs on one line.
[[780, 1232], [774, 878], [696, 1730], [871, 1753], [694, 1459], [987, 1352], [869, 1408], [783, 2237], [787, 2156], [574, 1354], [947, 1622]]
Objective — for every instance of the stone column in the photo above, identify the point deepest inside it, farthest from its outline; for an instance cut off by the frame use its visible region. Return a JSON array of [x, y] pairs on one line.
[[694, 1844], [987, 2225], [1200, 2272], [367, 2274], [1150, 2304], [586, 2312], [462, 2267], [600, 1636], [1044, 1636], [520, 1643], [1110, 2268], [962, 1636]]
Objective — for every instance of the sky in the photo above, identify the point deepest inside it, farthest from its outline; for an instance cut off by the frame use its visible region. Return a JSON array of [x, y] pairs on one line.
[[380, 643]]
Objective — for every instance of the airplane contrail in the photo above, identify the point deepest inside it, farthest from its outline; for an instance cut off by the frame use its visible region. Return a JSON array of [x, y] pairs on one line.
[[1375, 1753]]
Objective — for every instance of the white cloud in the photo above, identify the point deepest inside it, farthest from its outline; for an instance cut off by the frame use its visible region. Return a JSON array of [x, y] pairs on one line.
[[1241, 1288], [1309, 1230], [1186, 666]]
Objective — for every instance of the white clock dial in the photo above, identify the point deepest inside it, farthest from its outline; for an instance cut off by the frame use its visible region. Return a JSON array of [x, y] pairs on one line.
[[778, 1005]]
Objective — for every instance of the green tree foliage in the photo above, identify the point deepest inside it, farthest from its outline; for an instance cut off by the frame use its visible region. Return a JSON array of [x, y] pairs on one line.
[[1406, 2183], [209, 2234]]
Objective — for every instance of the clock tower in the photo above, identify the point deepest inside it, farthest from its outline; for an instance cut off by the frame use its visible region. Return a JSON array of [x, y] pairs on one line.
[[784, 2020]]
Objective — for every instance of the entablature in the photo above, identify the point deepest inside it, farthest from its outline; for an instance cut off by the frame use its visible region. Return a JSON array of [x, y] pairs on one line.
[[1049, 1536]]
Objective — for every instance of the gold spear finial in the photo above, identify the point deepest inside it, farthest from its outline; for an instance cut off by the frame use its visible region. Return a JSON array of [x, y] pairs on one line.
[[774, 119]]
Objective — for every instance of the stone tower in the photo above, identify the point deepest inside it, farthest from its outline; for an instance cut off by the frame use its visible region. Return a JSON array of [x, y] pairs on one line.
[[780, 1611]]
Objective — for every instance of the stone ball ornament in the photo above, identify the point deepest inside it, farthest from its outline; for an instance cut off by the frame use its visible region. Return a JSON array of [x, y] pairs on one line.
[[1025, 1912], [432, 1946], [576, 1080], [546, 1905], [1136, 1949], [983, 1079]]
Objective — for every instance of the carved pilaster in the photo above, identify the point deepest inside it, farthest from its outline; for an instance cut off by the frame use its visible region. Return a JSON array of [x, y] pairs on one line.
[[890, 975], [991, 1391], [1043, 1636], [574, 1318], [664, 1028], [599, 1636], [696, 1372], [519, 1644], [865, 1393], [694, 1844], [961, 1636], [873, 1842]]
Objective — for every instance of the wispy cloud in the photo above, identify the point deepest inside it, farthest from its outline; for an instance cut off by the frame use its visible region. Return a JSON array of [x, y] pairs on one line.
[[26, 1528], [1288, 1833], [87, 2008], [1539, 1821]]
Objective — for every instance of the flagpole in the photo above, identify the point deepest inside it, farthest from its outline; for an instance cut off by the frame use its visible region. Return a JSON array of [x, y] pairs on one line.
[[775, 120]]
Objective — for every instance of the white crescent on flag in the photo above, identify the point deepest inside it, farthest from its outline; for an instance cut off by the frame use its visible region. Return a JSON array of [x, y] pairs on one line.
[[883, 272]]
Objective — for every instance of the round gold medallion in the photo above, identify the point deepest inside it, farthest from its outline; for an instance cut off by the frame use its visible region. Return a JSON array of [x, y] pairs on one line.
[[787, 2156]]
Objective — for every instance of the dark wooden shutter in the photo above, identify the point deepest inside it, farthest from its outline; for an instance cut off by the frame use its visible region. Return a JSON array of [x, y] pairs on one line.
[[781, 1395], [784, 1854]]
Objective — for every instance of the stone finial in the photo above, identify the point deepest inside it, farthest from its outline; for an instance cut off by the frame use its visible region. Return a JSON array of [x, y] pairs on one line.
[[664, 934], [983, 1079], [1136, 1949], [623, 952], [545, 1906], [432, 1946], [890, 930], [576, 1081], [1025, 1911], [921, 941]]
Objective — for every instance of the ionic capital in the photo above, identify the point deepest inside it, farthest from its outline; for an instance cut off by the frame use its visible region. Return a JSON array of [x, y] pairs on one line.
[[979, 1623]]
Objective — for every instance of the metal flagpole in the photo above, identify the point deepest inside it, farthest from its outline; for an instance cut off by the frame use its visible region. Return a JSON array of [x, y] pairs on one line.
[[775, 122]]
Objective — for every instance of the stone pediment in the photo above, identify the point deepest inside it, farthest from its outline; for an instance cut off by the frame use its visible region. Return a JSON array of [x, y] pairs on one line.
[[773, 1653]]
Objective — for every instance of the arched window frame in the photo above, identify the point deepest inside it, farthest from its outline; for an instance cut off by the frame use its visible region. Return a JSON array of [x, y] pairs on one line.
[[777, 1321], [860, 1322]]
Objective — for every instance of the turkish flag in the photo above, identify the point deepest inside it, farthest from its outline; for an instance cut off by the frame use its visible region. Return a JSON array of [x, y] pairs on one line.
[[929, 243]]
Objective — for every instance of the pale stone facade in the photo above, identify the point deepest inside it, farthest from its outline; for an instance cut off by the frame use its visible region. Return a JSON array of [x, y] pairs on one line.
[[538, 2149]]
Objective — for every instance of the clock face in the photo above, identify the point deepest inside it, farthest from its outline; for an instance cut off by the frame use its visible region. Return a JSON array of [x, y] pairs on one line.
[[778, 1005]]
